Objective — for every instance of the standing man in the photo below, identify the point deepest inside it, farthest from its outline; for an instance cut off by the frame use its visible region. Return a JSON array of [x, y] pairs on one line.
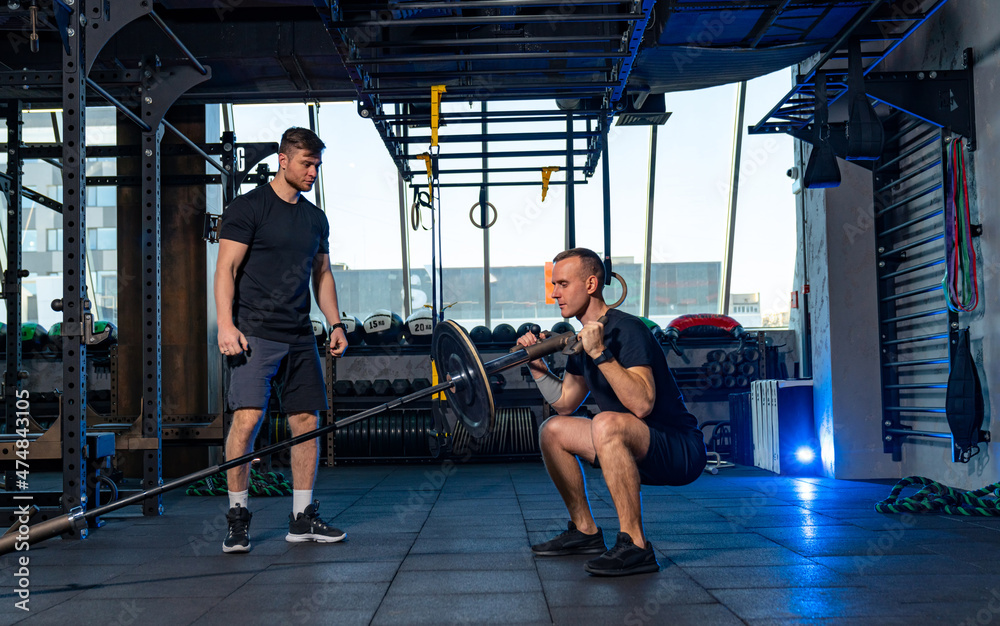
[[643, 434], [271, 243]]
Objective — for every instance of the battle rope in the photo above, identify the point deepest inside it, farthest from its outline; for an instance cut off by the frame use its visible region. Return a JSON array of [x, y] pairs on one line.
[[961, 277], [936, 497], [270, 484]]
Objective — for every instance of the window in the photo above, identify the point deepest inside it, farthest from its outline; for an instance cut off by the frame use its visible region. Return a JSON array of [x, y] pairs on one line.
[[54, 239], [764, 243], [101, 195], [101, 239], [29, 242]]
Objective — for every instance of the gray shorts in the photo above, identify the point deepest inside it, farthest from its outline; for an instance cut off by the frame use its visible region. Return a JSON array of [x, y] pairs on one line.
[[294, 369]]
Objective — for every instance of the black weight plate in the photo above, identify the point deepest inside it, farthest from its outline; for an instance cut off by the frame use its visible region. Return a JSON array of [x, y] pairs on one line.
[[397, 435], [471, 398]]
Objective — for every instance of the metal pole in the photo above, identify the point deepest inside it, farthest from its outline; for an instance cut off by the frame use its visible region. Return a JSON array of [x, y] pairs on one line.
[[12, 277], [606, 184], [74, 295], [734, 189], [484, 197], [404, 242], [177, 42], [127, 112], [570, 180], [197, 149], [647, 262], [314, 127]]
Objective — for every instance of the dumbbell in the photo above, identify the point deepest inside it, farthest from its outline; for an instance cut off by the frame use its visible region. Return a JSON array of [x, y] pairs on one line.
[[363, 387], [420, 383], [343, 388], [401, 386], [382, 387]]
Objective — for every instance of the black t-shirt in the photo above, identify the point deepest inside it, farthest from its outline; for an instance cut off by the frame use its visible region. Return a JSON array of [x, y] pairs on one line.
[[272, 286], [630, 341]]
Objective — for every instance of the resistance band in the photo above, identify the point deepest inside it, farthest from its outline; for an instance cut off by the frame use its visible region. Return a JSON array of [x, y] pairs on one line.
[[961, 276]]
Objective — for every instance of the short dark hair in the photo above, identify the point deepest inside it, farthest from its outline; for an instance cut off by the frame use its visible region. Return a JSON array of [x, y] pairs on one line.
[[300, 139], [590, 263]]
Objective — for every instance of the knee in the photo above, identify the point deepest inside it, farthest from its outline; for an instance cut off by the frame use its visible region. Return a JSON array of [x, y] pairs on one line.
[[245, 422], [303, 422], [607, 428], [551, 431]]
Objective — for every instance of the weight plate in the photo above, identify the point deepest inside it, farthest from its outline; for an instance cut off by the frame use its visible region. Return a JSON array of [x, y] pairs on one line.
[[470, 397]]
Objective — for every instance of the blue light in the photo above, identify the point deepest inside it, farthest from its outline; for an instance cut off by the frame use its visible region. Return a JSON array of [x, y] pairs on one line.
[[805, 455]]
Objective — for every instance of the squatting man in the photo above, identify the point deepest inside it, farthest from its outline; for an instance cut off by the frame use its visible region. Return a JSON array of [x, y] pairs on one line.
[[643, 433]]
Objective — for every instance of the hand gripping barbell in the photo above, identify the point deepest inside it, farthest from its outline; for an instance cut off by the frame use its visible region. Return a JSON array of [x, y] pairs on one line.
[[465, 384]]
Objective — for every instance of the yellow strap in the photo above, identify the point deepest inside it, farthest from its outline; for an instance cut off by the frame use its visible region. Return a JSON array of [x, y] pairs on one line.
[[426, 158], [436, 92], [434, 381], [546, 174]]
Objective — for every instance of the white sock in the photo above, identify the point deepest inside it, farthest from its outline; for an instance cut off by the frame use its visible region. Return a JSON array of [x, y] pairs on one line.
[[301, 498], [238, 497]]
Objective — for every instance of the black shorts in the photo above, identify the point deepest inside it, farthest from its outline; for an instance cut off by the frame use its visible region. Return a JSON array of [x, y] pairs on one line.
[[295, 369], [675, 457]]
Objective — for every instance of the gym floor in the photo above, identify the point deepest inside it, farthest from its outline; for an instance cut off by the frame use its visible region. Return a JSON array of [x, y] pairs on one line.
[[440, 544]]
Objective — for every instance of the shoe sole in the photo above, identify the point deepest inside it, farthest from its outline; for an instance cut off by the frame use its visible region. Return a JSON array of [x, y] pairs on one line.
[[290, 538], [235, 549], [571, 551], [640, 569]]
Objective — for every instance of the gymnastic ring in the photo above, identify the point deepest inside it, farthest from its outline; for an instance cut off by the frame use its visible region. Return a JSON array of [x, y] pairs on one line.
[[472, 213], [620, 300], [418, 201], [415, 214]]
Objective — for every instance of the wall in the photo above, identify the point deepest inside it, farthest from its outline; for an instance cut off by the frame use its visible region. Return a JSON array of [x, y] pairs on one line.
[[939, 45], [841, 268], [842, 305]]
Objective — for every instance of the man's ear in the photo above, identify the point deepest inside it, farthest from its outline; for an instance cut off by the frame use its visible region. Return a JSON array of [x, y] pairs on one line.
[[591, 284], [282, 160]]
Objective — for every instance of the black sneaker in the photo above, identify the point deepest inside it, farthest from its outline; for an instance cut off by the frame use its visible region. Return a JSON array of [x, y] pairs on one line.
[[308, 526], [238, 537], [571, 542], [624, 559]]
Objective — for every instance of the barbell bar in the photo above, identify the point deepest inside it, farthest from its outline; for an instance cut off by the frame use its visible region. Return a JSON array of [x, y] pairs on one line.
[[466, 384]]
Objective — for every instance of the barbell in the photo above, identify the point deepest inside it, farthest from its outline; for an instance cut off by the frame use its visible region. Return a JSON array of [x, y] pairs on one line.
[[465, 384]]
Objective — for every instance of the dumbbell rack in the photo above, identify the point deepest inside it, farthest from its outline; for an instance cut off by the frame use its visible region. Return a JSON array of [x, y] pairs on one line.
[[701, 383]]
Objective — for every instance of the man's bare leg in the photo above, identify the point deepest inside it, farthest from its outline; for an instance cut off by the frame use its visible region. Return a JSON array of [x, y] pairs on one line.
[[305, 456], [562, 439], [621, 439], [239, 442]]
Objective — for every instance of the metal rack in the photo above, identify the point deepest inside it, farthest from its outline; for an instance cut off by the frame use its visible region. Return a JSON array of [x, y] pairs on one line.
[[882, 27]]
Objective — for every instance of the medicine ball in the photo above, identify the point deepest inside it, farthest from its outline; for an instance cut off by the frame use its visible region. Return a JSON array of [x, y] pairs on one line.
[[383, 328], [319, 331], [419, 327], [34, 337], [527, 327], [481, 335], [355, 333], [562, 327], [504, 333]]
